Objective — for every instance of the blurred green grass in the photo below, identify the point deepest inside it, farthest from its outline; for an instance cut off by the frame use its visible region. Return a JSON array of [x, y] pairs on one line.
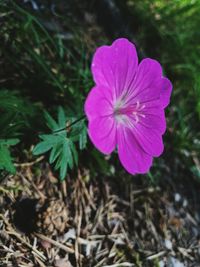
[[43, 69]]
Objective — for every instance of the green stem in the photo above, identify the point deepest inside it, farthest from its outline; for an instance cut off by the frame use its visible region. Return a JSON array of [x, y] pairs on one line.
[[67, 127]]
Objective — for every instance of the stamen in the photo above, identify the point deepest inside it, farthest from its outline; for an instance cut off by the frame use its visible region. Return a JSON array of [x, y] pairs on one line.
[[136, 116], [136, 119], [137, 104], [142, 115], [123, 112]]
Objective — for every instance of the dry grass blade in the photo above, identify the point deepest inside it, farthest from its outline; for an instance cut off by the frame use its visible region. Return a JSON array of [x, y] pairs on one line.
[[122, 264], [28, 245], [55, 243]]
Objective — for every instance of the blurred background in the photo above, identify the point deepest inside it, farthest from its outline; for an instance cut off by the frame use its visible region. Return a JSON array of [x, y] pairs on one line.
[[46, 49]]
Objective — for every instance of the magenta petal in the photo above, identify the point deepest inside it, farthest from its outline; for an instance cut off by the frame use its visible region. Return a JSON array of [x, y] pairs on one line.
[[98, 102], [102, 132], [148, 70], [101, 69], [115, 66], [147, 84], [131, 155], [155, 121], [165, 92], [154, 116], [149, 140], [98, 108]]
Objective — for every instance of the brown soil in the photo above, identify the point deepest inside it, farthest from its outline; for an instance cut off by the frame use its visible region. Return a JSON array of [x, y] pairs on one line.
[[94, 222]]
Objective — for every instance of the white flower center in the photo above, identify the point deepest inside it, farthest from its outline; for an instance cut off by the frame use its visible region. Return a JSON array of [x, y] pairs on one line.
[[126, 113]]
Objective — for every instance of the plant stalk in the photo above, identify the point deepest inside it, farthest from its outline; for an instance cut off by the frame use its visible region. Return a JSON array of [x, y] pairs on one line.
[[71, 124]]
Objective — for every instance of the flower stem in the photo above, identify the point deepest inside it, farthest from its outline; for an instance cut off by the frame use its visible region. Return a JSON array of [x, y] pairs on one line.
[[71, 124]]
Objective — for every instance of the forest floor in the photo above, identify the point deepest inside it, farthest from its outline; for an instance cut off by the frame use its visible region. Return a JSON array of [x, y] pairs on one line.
[[96, 222]]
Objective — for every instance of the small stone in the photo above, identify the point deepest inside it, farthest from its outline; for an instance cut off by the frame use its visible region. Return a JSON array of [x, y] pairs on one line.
[[185, 203], [175, 262], [161, 264], [62, 263], [177, 197], [168, 244], [46, 244]]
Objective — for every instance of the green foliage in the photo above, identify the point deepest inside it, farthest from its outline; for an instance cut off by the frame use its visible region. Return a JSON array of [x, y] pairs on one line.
[[15, 114], [79, 133], [45, 69], [56, 67], [60, 143], [5, 156]]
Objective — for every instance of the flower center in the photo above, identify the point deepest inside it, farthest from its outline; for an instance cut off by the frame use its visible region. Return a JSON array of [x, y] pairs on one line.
[[123, 112]]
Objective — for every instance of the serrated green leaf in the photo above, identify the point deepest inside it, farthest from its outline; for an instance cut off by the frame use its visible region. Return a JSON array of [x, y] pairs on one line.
[[63, 152], [64, 155], [51, 123], [9, 142], [6, 160], [61, 118], [49, 141]]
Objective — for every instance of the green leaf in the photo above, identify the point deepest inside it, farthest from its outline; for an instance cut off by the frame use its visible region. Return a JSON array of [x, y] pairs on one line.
[[16, 113], [67, 150], [5, 157], [6, 160], [83, 138], [55, 153], [9, 142], [61, 118], [79, 133], [60, 47], [51, 123], [63, 152], [49, 141], [53, 138], [74, 152], [64, 160], [42, 147]]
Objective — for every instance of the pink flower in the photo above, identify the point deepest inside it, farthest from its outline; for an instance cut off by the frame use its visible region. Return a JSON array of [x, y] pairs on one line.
[[125, 109]]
